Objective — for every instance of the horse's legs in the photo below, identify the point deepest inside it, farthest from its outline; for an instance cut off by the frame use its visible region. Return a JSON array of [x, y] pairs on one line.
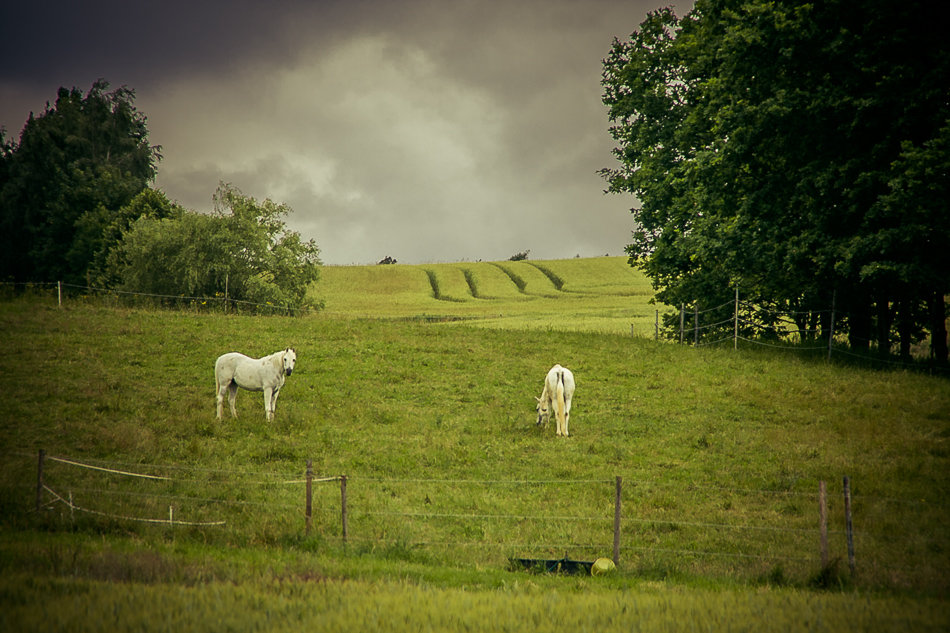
[[269, 403], [223, 389], [567, 414], [232, 396], [219, 400]]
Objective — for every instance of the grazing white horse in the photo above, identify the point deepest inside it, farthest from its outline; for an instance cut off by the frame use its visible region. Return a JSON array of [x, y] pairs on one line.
[[233, 370], [556, 395]]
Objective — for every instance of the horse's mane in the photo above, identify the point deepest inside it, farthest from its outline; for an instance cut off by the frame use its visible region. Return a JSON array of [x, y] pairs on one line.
[[276, 359]]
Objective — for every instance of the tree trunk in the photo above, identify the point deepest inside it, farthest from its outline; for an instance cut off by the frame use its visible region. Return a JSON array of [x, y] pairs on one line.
[[938, 329], [859, 330], [801, 321], [883, 327], [905, 327]]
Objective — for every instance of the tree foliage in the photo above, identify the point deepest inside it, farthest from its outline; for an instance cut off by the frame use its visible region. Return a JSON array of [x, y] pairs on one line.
[[796, 150], [242, 251], [75, 206], [74, 167]]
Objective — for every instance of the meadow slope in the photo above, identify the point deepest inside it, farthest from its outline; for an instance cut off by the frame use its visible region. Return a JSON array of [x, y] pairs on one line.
[[600, 294], [430, 415]]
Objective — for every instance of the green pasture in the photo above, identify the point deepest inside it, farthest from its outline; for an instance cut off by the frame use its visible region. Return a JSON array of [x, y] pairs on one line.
[[426, 404]]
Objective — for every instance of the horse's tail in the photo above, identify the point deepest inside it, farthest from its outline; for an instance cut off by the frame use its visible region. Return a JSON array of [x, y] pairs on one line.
[[560, 399], [217, 375]]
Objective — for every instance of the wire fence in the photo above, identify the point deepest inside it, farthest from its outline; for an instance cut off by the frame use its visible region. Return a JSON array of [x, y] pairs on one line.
[[811, 331], [221, 303], [706, 527], [730, 322]]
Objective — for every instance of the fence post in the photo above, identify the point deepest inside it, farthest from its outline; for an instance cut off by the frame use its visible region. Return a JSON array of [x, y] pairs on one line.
[[696, 324], [343, 505], [831, 326], [309, 511], [617, 522], [850, 529], [823, 522], [59, 294], [39, 479], [735, 332], [682, 317]]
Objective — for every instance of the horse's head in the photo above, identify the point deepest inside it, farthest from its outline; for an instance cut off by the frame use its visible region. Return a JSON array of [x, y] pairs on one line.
[[542, 410], [289, 359]]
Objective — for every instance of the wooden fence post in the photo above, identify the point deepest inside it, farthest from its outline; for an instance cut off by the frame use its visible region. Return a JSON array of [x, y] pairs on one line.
[[309, 511], [682, 322], [831, 327], [735, 332], [39, 479], [823, 522], [59, 294], [848, 525], [343, 505], [696, 324], [617, 522]]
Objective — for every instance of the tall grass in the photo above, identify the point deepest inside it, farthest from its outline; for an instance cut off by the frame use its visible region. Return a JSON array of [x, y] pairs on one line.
[[294, 604]]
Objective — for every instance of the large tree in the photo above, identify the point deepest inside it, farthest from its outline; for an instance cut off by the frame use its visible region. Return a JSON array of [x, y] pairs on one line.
[[74, 167], [780, 146]]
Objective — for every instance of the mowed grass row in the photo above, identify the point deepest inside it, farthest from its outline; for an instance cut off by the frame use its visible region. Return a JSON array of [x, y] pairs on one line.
[[599, 294]]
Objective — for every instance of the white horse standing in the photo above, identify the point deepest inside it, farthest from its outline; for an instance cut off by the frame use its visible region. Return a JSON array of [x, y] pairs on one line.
[[233, 370], [556, 395]]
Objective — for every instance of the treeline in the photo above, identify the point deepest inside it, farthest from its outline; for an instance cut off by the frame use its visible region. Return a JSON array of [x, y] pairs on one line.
[[799, 152], [76, 206]]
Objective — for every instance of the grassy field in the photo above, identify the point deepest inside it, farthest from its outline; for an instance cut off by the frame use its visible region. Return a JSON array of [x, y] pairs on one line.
[[426, 404]]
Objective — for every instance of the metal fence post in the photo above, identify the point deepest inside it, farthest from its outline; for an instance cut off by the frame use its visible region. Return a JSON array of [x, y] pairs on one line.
[[309, 511], [617, 521], [848, 524], [343, 506], [823, 522], [39, 479]]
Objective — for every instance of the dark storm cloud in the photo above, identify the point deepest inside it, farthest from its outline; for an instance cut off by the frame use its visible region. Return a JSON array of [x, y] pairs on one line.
[[423, 130], [149, 40]]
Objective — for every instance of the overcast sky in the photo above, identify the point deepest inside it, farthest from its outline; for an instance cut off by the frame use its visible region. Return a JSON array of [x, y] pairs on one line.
[[424, 130]]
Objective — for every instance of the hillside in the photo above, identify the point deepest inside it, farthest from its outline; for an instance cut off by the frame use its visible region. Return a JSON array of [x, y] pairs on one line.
[[601, 294]]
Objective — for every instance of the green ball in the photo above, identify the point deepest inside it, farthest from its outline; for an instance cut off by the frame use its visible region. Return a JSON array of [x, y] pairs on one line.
[[602, 566]]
